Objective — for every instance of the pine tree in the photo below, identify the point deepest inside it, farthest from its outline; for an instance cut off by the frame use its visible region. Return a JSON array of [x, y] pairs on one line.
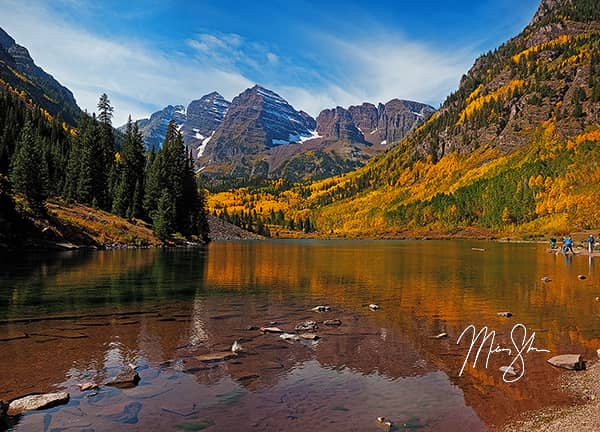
[[153, 182], [163, 218], [129, 171], [105, 178], [28, 170]]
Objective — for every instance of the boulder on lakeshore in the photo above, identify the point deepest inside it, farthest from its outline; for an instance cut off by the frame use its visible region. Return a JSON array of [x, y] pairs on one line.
[[36, 402], [125, 379], [568, 361]]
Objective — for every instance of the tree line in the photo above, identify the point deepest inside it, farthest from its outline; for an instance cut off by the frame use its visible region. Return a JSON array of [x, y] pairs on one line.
[[41, 159]]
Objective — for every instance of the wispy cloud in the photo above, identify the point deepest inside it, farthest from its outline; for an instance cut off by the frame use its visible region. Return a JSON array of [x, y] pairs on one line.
[[332, 69]]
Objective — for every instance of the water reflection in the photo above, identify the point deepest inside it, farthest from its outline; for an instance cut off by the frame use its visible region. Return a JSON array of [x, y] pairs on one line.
[[151, 307]]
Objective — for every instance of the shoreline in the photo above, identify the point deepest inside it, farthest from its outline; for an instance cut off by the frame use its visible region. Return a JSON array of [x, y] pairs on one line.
[[583, 416]]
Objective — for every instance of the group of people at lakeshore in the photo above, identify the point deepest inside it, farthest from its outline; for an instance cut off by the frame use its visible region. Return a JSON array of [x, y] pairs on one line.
[[567, 244]]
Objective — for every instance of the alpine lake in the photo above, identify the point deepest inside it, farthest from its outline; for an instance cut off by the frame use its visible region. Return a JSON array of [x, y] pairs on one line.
[[86, 316]]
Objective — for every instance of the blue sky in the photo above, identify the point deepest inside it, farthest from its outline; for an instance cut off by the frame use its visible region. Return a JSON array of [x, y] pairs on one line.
[[316, 54]]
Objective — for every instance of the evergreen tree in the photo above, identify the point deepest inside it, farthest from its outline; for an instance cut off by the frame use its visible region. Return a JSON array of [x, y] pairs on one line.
[[128, 189], [28, 170], [163, 218], [105, 178]]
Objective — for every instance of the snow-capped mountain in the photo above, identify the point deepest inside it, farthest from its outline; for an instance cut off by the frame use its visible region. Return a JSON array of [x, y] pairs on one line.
[[154, 129], [204, 116], [260, 134], [258, 119]]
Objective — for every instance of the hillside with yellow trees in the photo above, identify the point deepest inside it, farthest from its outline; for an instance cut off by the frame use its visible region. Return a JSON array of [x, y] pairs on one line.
[[514, 151]]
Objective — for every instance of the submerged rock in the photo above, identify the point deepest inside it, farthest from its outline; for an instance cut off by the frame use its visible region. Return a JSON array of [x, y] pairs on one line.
[[12, 336], [125, 379], [309, 336], [321, 308], [216, 357], [307, 326], [373, 306], [36, 402], [504, 314], [568, 361], [129, 415], [332, 322]]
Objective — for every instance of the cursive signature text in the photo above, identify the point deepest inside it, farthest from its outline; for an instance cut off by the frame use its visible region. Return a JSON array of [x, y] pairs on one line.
[[484, 341]]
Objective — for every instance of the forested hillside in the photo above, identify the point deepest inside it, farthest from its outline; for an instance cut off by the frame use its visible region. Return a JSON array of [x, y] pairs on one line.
[[514, 149]]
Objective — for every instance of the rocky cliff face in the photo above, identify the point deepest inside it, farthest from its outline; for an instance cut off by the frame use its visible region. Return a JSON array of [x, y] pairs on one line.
[[257, 120], [18, 70], [203, 117], [154, 129]]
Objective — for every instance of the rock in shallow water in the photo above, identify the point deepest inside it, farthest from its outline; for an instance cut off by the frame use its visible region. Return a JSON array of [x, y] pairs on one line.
[[87, 386], [307, 326], [125, 379], [321, 308], [37, 401], [271, 330], [504, 314], [332, 322], [216, 357], [373, 306], [568, 361], [508, 370], [129, 414], [440, 336]]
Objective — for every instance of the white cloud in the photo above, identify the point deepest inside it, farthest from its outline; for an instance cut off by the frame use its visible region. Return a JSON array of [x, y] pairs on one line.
[[272, 58], [388, 67], [137, 79]]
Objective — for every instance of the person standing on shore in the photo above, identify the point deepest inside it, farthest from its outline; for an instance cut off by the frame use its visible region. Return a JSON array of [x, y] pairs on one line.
[[590, 241]]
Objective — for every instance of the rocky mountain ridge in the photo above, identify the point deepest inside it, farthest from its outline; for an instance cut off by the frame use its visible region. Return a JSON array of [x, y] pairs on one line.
[[20, 74]]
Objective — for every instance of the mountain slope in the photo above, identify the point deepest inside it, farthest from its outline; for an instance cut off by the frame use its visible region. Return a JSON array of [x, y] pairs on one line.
[[515, 148], [257, 120], [20, 74], [204, 116], [507, 142]]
